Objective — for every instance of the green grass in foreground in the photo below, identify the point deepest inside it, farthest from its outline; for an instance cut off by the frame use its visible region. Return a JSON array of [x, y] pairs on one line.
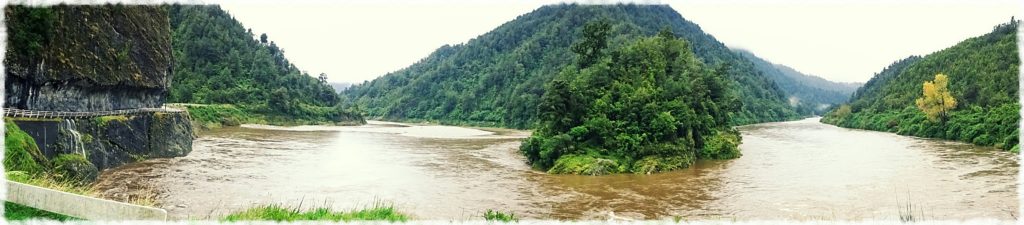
[[277, 212], [14, 211], [493, 215]]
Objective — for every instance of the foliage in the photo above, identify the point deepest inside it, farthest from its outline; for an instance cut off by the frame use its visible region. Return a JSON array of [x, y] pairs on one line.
[[30, 29], [494, 215], [646, 107], [986, 75], [936, 99], [279, 213], [722, 145], [14, 211], [20, 150], [218, 61], [585, 165], [499, 78]]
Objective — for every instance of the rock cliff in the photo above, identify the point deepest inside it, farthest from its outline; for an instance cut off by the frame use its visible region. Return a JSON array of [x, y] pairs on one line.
[[87, 58], [90, 58]]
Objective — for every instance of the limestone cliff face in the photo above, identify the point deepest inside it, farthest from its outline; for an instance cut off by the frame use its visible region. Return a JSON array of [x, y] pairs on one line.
[[87, 58]]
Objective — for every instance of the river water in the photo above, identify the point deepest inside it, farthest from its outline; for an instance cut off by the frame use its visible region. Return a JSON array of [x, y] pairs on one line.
[[789, 170]]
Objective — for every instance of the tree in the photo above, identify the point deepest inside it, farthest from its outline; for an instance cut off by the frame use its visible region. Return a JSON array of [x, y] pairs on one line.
[[263, 38], [322, 78], [595, 38], [936, 100]]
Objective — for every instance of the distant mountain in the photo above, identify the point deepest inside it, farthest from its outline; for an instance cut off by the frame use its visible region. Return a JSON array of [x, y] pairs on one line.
[[340, 86], [809, 93], [498, 78], [982, 77]]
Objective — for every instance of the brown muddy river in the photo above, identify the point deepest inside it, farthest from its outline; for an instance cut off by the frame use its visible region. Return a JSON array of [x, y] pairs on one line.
[[789, 170]]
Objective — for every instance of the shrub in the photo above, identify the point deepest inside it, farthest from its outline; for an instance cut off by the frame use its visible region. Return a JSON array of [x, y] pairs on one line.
[[494, 215], [584, 165], [654, 164], [722, 145]]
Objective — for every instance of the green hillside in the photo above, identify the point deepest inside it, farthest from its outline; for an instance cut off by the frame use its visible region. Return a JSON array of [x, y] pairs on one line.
[[218, 61], [983, 78], [497, 79]]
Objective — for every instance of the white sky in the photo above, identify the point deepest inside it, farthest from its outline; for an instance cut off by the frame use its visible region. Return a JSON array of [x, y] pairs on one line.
[[840, 41]]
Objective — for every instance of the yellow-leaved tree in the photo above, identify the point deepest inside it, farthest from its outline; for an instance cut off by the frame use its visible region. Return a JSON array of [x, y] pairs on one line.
[[936, 100]]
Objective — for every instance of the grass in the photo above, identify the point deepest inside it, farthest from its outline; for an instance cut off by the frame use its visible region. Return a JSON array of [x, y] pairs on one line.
[[14, 211], [906, 211], [494, 215], [50, 182], [21, 152], [276, 212], [104, 120]]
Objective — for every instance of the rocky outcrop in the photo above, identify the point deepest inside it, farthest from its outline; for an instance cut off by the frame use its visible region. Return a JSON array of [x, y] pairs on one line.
[[87, 58], [112, 141]]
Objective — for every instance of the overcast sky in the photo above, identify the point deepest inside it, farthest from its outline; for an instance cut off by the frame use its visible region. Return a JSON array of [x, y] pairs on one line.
[[357, 41]]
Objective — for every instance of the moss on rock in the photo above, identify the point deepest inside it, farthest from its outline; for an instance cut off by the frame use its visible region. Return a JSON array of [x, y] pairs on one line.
[[75, 168]]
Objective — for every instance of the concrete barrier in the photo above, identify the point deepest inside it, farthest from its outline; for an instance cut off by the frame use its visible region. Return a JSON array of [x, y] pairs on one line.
[[79, 206]]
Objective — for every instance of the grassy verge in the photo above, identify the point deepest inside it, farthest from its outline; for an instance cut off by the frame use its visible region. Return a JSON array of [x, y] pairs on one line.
[[14, 211], [220, 115], [279, 213]]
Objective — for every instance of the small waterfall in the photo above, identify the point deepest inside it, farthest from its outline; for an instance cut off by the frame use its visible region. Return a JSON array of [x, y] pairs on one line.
[[77, 146]]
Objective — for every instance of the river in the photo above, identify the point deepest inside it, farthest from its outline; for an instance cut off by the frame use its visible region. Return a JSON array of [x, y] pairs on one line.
[[789, 170]]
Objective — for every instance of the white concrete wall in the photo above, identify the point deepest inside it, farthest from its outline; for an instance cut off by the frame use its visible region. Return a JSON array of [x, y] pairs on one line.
[[79, 206]]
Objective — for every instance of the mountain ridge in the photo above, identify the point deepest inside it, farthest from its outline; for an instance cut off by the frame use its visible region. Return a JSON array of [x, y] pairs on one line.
[[466, 83]]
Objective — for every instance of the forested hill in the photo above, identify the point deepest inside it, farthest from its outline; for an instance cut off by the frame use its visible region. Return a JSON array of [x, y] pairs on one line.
[[498, 78], [810, 94], [218, 61], [980, 76]]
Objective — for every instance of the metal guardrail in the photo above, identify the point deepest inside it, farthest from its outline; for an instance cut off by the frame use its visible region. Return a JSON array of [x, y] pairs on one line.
[[79, 206], [9, 112]]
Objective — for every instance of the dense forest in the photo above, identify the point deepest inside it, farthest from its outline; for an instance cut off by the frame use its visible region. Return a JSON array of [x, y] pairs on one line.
[[646, 107], [981, 76], [498, 78], [218, 61], [809, 94]]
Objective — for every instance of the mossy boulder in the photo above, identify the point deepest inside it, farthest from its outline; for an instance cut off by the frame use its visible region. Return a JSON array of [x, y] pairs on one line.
[[21, 152], [75, 168]]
